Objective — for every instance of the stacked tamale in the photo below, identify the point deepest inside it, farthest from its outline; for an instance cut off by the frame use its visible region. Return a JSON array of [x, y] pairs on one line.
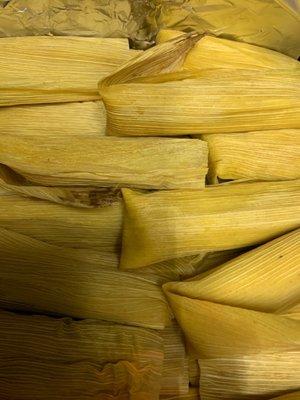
[[150, 208]]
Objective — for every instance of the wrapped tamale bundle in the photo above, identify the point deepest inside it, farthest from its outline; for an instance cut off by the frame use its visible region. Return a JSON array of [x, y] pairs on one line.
[[40, 277], [57, 69], [266, 155], [231, 322], [193, 394], [54, 120], [116, 18], [98, 229], [172, 224], [194, 372], [46, 358], [272, 24], [151, 163], [215, 52], [175, 380], [151, 96]]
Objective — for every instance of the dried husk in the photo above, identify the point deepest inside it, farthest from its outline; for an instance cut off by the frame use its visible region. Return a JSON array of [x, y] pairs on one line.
[[214, 52], [151, 96], [248, 348], [271, 24], [77, 360], [40, 277], [266, 155], [147, 163], [172, 224], [45, 69]]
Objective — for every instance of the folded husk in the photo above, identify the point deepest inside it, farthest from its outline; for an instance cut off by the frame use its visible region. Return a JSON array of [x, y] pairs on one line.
[[230, 319], [45, 358], [272, 24], [149, 101], [215, 52], [57, 69], [146, 163], [173, 224], [40, 277], [175, 380], [97, 229], [268, 155], [64, 120]]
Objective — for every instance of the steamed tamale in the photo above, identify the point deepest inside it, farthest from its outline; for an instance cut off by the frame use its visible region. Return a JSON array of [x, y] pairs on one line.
[[266, 155], [98, 229], [45, 358], [175, 380], [245, 345], [54, 120], [168, 224], [151, 163], [36, 276], [214, 52], [151, 96], [273, 24], [57, 69]]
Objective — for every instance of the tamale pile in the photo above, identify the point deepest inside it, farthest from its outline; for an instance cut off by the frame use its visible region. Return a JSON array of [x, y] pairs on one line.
[[149, 200]]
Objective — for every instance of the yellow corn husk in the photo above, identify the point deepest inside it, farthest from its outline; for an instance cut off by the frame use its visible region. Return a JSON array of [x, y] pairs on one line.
[[169, 224], [194, 372], [106, 161], [272, 24], [247, 347], [57, 69], [175, 380], [40, 277], [98, 229], [268, 155], [149, 101], [64, 120], [289, 396], [64, 17], [214, 52], [193, 394], [47, 358]]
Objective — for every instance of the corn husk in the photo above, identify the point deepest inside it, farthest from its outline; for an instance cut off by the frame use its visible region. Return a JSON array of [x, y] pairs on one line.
[[69, 17], [40, 277], [272, 24], [151, 96], [96, 229], [57, 69], [175, 380], [165, 225], [289, 396], [194, 372], [66, 120], [215, 52], [193, 394], [268, 155], [77, 359], [230, 318], [143, 163]]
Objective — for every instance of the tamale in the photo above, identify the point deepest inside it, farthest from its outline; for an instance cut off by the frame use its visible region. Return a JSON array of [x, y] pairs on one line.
[[172, 224], [272, 24], [214, 52], [45, 358], [98, 229], [150, 163], [194, 372], [193, 394], [40, 277], [57, 69], [54, 120], [246, 349], [266, 155], [152, 97], [175, 380]]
